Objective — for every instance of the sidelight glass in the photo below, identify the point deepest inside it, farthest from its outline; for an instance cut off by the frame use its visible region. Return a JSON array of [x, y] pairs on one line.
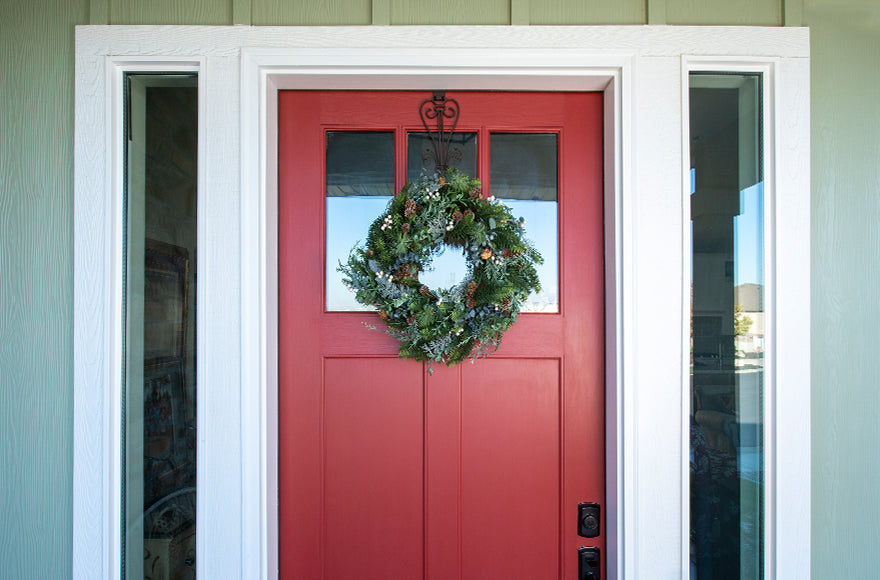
[[159, 388], [727, 339], [523, 170]]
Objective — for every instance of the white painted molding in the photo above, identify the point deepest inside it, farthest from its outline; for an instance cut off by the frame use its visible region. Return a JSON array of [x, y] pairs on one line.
[[787, 455], [210, 41], [639, 69]]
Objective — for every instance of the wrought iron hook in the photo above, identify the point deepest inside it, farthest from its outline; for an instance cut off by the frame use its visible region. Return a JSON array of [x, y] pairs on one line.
[[440, 109]]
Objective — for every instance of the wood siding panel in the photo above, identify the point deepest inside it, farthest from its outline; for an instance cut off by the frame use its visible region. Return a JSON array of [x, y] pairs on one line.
[[170, 12], [587, 12], [313, 13], [450, 12], [724, 12], [36, 286], [845, 245]]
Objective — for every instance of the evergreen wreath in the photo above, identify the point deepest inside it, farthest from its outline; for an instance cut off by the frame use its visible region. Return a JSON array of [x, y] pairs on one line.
[[445, 325]]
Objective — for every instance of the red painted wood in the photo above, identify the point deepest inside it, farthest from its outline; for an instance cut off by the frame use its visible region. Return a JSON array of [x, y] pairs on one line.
[[372, 468], [476, 471], [443, 474], [511, 469]]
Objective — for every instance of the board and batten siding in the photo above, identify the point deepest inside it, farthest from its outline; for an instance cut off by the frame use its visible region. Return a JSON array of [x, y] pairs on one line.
[[414, 12], [845, 244], [36, 237], [36, 286]]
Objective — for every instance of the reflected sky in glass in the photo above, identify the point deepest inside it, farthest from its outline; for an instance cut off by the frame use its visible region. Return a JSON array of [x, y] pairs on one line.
[[748, 231], [349, 218]]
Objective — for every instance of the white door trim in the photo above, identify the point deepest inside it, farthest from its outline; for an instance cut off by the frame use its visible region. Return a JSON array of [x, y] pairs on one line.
[[640, 71]]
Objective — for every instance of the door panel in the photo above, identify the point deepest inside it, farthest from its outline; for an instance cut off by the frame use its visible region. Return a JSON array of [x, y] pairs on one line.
[[511, 469], [372, 481], [472, 472]]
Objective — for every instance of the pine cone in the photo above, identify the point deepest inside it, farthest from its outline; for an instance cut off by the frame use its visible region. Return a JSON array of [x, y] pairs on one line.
[[472, 287], [506, 253], [468, 212], [457, 216], [383, 315], [405, 227], [470, 303], [424, 290], [476, 193], [409, 208]]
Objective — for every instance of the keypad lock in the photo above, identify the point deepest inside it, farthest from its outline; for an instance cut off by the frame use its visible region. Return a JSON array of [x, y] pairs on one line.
[[589, 564]]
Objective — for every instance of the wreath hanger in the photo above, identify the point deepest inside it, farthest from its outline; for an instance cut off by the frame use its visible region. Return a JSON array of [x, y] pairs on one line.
[[440, 109]]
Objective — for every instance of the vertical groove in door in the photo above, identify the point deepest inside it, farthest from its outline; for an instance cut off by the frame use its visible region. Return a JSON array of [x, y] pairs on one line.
[[458, 495], [425, 482], [323, 439], [560, 369]]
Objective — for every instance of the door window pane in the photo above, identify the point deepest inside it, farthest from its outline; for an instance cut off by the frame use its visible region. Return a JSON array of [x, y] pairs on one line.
[[523, 173], [360, 182], [420, 155], [727, 327], [448, 266], [159, 457]]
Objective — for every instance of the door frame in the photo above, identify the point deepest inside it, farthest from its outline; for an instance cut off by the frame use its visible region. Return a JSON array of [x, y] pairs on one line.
[[453, 69], [641, 71]]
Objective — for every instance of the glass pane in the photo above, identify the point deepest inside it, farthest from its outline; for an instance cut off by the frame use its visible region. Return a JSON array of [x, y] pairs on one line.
[[159, 490], [727, 327], [448, 266], [360, 182], [360, 163], [420, 155], [523, 173]]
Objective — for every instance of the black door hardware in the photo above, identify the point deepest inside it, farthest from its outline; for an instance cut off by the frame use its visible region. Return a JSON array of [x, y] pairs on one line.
[[588, 564], [588, 520]]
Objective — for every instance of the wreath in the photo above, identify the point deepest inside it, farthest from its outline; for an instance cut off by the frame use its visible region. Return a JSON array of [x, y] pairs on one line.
[[445, 325]]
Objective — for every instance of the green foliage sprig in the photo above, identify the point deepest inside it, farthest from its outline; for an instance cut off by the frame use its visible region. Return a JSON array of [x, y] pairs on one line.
[[445, 325]]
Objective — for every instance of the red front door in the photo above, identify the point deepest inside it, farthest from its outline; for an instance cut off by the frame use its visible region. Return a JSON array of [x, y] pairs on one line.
[[475, 471]]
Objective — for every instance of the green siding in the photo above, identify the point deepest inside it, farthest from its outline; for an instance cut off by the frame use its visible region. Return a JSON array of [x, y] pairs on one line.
[[313, 13], [170, 12], [450, 12], [724, 12], [36, 237], [36, 286], [845, 287], [587, 12]]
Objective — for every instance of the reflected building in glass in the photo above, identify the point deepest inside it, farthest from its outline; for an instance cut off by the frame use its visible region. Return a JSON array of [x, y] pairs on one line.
[[727, 327]]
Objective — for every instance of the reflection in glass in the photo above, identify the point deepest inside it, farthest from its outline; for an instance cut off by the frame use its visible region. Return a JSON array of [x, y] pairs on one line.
[[360, 163], [523, 173], [348, 219], [360, 182], [727, 328], [159, 489], [420, 155]]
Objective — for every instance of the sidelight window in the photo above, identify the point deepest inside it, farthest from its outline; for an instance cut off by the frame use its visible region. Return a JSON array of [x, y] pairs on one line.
[[159, 386], [727, 331]]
